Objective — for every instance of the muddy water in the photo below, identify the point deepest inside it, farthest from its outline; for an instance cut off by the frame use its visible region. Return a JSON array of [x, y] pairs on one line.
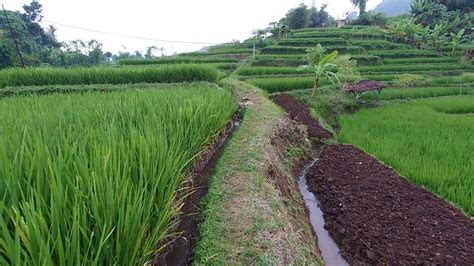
[[328, 247], [180, 251]]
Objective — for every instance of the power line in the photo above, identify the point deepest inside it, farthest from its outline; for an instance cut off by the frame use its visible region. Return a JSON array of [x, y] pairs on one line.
[[127, 36]]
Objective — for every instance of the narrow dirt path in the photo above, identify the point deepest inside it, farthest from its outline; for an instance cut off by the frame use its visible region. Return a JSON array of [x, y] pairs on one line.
[[250, 215]]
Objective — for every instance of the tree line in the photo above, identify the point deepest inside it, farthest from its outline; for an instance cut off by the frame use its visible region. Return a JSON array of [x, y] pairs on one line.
[[39, 46]]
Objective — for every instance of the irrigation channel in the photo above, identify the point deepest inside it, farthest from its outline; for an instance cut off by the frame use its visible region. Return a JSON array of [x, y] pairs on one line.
[[329, 250], [180, 250]]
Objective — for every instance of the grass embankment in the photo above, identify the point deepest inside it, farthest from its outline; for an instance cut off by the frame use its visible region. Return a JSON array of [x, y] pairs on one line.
[[92, 179], [246, 219], [107, 75], [422, 142]]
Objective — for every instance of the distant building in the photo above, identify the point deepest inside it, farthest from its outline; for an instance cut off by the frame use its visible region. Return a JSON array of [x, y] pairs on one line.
[[341, 22]]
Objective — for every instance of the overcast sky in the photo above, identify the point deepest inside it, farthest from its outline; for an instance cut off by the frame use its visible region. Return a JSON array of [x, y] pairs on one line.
[[210, 21]]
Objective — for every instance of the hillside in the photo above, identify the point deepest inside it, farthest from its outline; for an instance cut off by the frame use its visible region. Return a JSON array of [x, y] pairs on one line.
[[394, 8]]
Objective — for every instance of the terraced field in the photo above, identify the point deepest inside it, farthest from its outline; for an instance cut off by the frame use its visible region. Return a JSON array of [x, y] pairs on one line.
[[378, 57], [100, 165]]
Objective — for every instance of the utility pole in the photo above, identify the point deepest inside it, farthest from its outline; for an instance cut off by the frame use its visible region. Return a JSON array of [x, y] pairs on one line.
[[314, 3], [20, 56]]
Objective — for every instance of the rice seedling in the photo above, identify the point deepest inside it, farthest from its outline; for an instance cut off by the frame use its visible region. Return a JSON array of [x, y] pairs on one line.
[[102, 75], [424, 142], [92, 179]]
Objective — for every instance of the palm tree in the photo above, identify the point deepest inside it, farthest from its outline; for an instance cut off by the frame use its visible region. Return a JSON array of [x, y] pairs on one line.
[[322, 69], [362, 5]]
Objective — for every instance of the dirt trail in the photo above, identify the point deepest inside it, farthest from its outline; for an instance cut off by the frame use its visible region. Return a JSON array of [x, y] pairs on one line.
[[302, 114], [378, 217]]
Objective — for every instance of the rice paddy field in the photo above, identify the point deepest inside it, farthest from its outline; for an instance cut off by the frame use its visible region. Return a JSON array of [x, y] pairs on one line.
[[95, 161], [430, 141], [93, 178], [428, 146]]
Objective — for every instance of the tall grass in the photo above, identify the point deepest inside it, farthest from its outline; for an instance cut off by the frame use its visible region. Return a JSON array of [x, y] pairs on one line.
[[92, 179], [423, 143], [102, 75]]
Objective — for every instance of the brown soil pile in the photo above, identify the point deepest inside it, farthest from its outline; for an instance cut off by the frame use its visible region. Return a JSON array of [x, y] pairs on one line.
[[302, 114], [377, 217]]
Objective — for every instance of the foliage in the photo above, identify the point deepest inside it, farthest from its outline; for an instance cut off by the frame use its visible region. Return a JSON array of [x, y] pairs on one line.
[[362, 7], [422, 141], [408, 80], [456, 40], [372, 18], [103, 75], [315, 54], [320, 69], [346, 68], [319, 18], [33, 40], [93, 179], [304, 17]]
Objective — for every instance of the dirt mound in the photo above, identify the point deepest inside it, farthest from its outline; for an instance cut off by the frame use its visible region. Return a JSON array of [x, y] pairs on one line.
[[302, 114], [377, 217]]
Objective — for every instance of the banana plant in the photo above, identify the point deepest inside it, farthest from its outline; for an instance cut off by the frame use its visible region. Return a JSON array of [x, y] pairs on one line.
[[456, 40], [322, 69]]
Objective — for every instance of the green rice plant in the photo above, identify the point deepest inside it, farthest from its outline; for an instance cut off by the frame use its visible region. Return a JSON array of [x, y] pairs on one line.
[[379, 44], [462, 79], [422, 92], [282, 84], [367, 60], [423, 143], [414, 67], [178, 60], [272, 85], [107, 75], [420, 60], [313, 42], [281, 56], [249, 71], [284, 62], [230, 51], [93, 179], [273, 49], [404, 53]]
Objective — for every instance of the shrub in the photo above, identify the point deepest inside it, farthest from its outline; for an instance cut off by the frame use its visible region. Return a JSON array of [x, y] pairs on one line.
[[409, 80]]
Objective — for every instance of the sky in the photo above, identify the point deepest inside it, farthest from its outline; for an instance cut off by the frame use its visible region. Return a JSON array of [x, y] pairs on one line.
[[203, 21]]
